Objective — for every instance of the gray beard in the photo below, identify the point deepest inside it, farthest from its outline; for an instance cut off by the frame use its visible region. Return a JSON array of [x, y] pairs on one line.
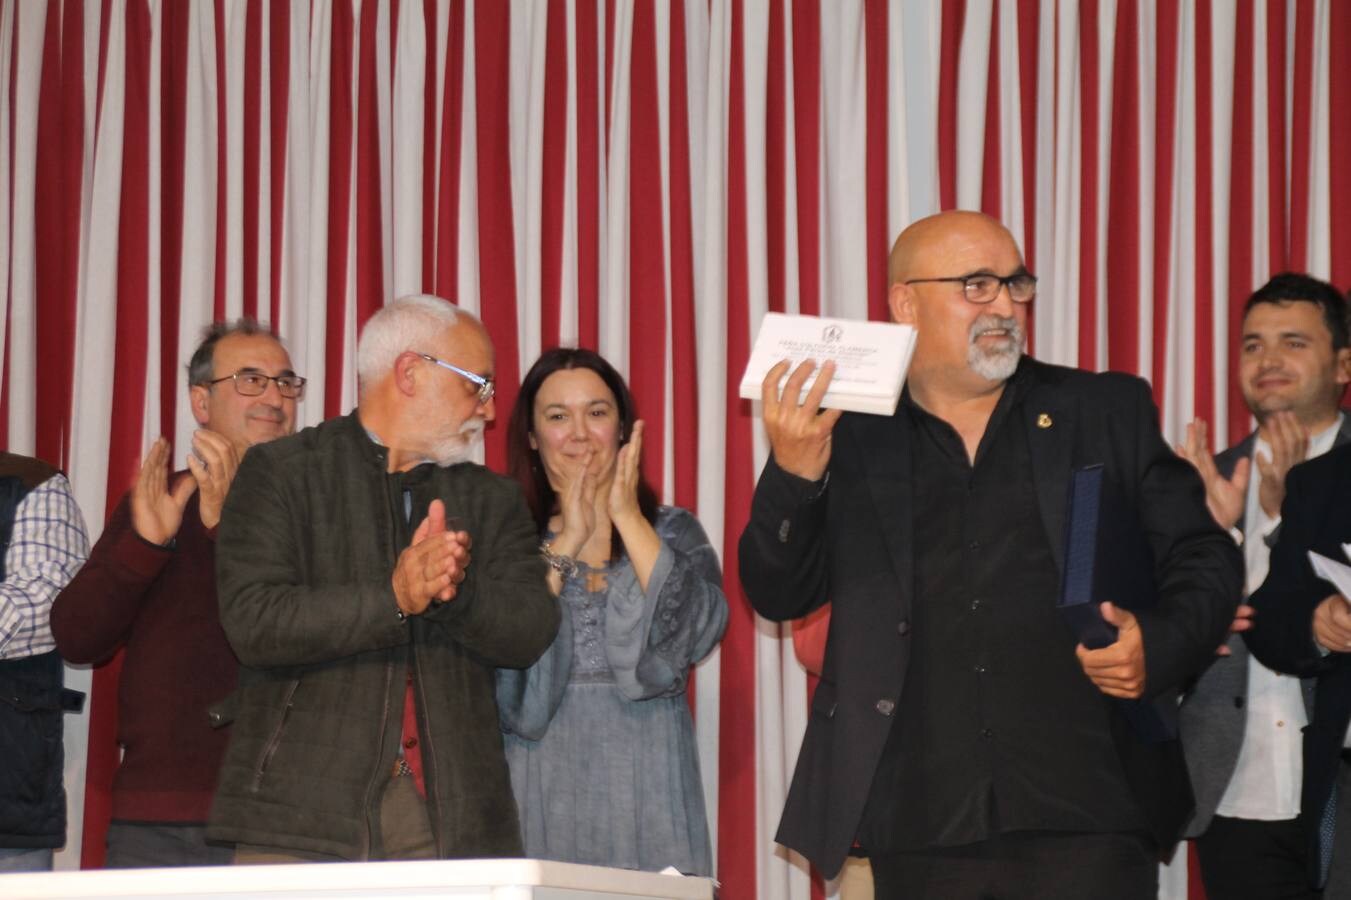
[[995, 364], [459, 447]]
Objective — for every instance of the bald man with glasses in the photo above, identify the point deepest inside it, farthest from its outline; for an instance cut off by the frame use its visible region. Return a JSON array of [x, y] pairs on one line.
[[149, 588], [961, 736]]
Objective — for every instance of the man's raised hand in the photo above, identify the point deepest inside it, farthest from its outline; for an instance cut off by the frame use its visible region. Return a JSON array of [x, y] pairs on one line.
[[157, 511], [1225, 497], [799, 433]]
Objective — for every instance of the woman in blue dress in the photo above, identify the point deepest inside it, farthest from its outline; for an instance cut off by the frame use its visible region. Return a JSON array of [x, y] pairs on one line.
[[598, 733]]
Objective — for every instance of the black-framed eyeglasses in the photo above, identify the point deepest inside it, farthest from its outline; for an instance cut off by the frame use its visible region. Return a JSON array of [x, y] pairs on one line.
[[983, 287], [254, 384], [485, 385]]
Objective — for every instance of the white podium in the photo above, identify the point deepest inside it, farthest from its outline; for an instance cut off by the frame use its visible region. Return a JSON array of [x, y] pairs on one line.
[[470, 879]]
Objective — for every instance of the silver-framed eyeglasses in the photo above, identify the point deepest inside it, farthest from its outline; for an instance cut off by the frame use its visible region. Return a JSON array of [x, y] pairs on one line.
[[983, 287], [252, 383], [485, 385]]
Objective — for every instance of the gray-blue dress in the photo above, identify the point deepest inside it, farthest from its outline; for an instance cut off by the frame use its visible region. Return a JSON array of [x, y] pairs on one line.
[[598, 733]]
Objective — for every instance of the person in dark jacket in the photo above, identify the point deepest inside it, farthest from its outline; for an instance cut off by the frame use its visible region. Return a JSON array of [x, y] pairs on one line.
[[370, 579], [42, 533], [1302, 626], [960, 732], [150, 588]]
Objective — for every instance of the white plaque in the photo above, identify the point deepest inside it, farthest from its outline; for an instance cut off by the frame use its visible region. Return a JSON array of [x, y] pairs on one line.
[[870, 359], [1339, 573]]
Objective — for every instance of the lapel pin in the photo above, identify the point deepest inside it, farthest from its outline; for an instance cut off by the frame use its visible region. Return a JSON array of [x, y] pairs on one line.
[[1044, 420]]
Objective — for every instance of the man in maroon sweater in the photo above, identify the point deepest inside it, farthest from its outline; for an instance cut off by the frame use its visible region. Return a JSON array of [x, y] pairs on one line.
[[150, 586]]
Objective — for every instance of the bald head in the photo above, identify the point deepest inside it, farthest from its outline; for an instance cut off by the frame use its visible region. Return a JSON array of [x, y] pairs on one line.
[[943, 236]]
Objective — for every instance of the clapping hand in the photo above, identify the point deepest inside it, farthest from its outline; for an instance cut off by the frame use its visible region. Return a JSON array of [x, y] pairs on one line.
[[213, 463], [1289, 442], [577, 504], [433, 565], [157, 511], [1225, 497], [623, 500]]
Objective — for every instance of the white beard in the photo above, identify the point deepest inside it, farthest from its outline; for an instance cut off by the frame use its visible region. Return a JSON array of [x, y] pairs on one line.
[[447, 450], [995, 363]]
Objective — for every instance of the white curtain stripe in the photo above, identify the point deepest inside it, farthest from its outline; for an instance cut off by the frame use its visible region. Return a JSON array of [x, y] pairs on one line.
[[467, 294], [233, 128], [526, 114], [23, 269], [1320, 184], [617, 191], [409, 165]]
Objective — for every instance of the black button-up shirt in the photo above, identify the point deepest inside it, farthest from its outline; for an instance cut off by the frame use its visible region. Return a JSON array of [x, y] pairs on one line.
[[997, 729]]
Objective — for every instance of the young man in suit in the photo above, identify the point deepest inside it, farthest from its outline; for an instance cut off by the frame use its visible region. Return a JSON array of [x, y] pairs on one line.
[[959, 732], [1242, 723]]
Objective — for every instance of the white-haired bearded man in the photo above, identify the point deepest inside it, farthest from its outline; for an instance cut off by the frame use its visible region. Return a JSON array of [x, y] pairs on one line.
[[365, 724]]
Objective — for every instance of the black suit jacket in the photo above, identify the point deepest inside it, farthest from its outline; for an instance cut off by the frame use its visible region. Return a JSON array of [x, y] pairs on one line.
[[1316, 516], [849, 542]]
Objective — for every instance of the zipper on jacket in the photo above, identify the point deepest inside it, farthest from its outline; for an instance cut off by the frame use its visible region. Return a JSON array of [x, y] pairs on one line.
[[274, 741], [428, 754], [379, 769]]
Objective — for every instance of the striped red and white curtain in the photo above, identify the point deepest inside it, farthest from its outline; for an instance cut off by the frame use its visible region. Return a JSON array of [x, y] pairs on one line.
[[645, 177]]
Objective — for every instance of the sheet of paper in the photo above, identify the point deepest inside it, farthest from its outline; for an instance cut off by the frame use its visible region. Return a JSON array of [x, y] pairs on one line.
[[1339, 573], [870, 358]]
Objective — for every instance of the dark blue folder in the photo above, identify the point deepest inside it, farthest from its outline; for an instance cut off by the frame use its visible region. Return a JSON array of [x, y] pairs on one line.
[[1078, 595], [1107, 558]]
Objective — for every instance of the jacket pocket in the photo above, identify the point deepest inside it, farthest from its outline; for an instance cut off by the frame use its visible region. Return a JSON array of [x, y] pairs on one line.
[[30, 747], [274, 740]]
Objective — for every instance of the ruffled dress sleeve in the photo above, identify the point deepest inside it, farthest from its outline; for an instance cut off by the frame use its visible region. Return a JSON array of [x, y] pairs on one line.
[[653, 637]]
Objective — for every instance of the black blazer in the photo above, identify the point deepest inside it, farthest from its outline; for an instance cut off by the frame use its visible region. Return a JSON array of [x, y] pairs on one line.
[[1316, 515], [849, 542]]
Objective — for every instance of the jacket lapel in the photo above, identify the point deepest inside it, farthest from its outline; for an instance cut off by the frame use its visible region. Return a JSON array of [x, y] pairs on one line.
[[1050, 427], [1343, 433]]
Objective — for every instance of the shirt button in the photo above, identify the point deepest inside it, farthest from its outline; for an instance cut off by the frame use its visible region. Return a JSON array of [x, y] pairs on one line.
[[903, 628], [885, 707], [987, 734], [975, 604], [1280, 723]]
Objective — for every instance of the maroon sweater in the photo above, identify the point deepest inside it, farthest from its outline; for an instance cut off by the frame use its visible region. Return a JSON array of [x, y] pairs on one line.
[[160, 604]]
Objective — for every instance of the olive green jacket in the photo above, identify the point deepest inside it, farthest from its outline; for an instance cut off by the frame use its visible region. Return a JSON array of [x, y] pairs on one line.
[[307, 545]]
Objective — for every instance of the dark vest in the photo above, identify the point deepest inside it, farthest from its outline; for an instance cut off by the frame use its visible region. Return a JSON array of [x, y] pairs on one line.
[[32, 700]]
